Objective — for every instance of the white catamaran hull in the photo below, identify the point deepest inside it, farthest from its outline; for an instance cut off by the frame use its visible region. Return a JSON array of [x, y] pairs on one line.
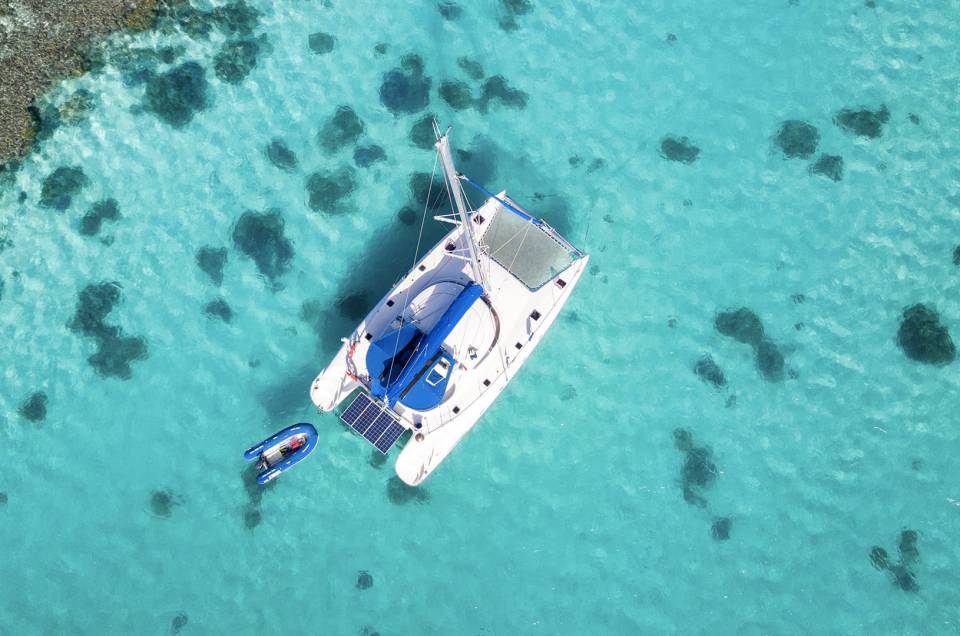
[[489, 341]]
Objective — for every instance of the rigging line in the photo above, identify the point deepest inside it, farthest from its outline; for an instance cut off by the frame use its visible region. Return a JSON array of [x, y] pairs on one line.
[[517, 253], [524, 229], [416, 255]]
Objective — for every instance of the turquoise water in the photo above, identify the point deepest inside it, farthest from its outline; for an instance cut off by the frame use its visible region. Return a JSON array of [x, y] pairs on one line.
[[564, 512]]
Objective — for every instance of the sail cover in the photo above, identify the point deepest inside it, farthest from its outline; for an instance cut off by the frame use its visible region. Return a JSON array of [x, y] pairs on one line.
[[410, 354]]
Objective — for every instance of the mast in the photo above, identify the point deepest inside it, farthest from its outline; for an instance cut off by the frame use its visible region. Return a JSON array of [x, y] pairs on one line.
[[456, 193]]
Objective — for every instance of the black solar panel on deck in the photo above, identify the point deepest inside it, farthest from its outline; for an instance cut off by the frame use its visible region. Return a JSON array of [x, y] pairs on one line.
[[377, 428], [354, 410], [377, 425], [389, 437], [363, 422]]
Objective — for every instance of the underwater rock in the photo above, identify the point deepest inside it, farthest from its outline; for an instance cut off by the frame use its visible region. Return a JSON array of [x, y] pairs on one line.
[[407, 216], [136, 78], [192, 21], [219, 309], [678, 149], [908, 547], [252, 518], [211, 261], [343, 128], [480, 162], [497, 89], [879, 558], [281, 156], [708, 371], [923, 338], [406, 90], [45, 118], [366, 156], [115, 353], [449, 10], [179, 622], [421, 133], [364, 580], [321, 43], [235, 18], [168, 54], [903, 576], [914, 119], [769, 361], [34, 408], [472, 68], [400, 493], [511, 10], [422, 188], [381, 48], [956, 256], [354, 307], [105, 210], [698, 472], [261, 238], [77, 107], [236, 59], [162, 503], [3, 498], [720, 530], [60, 186], [863, 121], [94, 302], [595, 165], [830, 166], [457, 94], [327, 191], [741, 324], [177, 95], [797, 139]]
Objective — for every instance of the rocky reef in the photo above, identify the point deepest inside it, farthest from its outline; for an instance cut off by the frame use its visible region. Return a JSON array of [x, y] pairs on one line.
[[43, 41], [923, 338]]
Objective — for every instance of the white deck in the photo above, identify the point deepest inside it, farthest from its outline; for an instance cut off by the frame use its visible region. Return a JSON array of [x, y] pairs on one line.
[[501, 328]]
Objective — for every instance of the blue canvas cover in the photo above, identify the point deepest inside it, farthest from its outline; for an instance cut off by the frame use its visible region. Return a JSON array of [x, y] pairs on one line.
[[428, 388], [394, 347], [393, 376]]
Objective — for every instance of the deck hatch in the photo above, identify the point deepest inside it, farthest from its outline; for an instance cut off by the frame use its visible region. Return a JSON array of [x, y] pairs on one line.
[[377, 425]]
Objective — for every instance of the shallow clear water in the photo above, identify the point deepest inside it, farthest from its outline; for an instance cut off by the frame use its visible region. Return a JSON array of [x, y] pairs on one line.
[[563, 512]]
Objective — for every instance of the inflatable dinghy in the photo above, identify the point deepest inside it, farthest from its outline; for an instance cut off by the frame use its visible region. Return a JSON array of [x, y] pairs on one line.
[[281, 452]]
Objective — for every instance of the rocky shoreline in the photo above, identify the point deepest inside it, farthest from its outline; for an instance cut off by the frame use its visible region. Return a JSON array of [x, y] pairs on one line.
[[43, 41]]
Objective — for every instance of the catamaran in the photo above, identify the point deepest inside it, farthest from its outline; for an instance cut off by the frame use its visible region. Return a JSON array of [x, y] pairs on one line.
[[437, 350]]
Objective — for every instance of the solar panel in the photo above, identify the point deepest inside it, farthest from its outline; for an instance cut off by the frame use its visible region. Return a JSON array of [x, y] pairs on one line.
[[354, 410], [389, 437], [378, 426]]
